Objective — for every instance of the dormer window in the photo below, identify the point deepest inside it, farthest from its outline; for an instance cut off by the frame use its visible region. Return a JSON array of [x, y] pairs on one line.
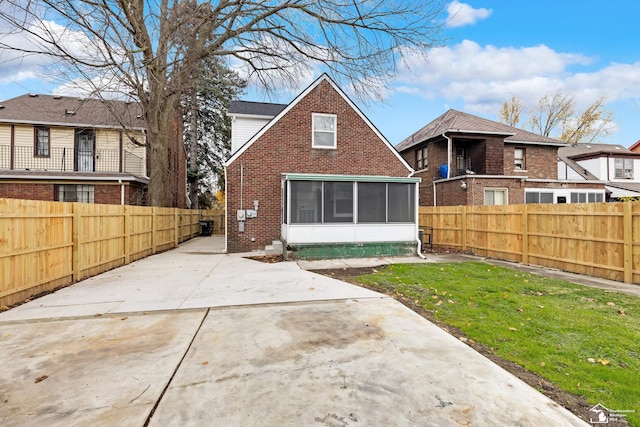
[[324, 131]]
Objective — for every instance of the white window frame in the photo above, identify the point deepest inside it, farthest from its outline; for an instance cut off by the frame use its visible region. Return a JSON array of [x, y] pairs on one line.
[[334, 131], [504, 190]]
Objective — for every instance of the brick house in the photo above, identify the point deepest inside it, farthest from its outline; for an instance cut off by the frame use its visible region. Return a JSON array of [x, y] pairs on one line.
[[612, 164], [467, 160], [58, 148], [319, 177]]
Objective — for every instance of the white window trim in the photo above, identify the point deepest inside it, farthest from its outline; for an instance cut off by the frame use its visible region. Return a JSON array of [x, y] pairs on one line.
[[313, 131]]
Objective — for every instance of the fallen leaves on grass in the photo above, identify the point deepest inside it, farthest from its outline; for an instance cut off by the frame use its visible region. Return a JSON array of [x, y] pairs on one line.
[[511, 328]]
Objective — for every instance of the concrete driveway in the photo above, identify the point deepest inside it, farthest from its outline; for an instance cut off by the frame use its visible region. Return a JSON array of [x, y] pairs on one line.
[[193, 337]]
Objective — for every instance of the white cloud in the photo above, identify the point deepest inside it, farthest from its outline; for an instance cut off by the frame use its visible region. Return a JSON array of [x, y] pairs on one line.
[[461, 14], [483, 77]]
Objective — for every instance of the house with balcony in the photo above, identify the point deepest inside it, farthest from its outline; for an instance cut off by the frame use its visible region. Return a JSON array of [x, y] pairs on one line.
[[59, 148], [464, 159], [612, 164]]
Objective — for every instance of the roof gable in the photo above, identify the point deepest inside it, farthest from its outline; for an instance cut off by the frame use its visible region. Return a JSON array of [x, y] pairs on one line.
[[54, 110], [459, 122], [301, 96]]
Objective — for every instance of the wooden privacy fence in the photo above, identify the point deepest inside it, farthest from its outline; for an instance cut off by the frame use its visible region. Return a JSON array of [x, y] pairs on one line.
[[595, 239], [45, 245]]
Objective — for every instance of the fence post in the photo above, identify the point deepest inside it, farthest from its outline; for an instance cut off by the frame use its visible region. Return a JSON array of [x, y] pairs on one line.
[[154, 227], [127, 235], [525, 234], [628, 241], [464, 228], [75, 256], [176, 221]]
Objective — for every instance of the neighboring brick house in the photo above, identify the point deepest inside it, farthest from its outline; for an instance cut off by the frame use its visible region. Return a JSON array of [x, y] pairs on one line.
[[467, 160], [615, 166], [319, 177], [59, 148]]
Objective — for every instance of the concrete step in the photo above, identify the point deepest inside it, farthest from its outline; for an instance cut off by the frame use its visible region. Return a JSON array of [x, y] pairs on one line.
[[275, 248]]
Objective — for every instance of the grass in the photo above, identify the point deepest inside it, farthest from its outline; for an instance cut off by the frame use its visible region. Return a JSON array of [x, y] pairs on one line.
[[586, 341]]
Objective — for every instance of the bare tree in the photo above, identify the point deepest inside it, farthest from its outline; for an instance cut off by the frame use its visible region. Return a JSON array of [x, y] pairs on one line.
[[552, 112], [510, 112], [555, 116], [154, 47]]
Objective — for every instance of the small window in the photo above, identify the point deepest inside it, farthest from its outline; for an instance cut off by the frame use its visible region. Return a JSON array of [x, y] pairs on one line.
[[41, 142], [422, 158], [324, 131], [518, 162], [538, 197], [623, 168], [75, 193], [497, 196]]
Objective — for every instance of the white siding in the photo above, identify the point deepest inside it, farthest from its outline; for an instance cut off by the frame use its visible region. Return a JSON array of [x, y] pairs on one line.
[[243, 128], [597, 167], [348, 233], [566, 172]]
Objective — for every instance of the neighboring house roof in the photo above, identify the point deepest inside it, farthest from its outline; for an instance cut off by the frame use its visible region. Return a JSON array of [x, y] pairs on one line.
[[454, 121], [323, 77], [635, 145], [265, 109], [54, 110], [572, 153], [579, 151]]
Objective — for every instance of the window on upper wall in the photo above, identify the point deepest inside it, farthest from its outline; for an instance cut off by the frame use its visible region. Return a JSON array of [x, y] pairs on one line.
[[41, 141], [519, 157], [422, 161], [324, 131], [624, 168], [495, 196]]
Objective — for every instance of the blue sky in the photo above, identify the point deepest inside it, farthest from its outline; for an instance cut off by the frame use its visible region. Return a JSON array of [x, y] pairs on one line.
[[492, 50]]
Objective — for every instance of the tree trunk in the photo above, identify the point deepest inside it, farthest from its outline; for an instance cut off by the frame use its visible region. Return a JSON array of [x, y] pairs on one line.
[[193, 152], [159, 115]]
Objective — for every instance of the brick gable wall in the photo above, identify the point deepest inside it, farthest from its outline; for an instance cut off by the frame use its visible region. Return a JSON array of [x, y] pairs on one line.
[[286, 148]]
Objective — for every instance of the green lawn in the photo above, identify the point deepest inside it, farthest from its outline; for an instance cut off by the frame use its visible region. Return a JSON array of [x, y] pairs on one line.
[[584, 340]]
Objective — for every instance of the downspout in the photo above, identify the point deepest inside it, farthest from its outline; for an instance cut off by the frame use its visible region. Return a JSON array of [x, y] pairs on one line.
[[435, 199], [121, 192], [226, 210]]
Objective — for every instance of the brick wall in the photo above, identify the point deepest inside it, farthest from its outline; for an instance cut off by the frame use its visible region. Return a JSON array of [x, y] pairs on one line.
[[103, 193], [541, 162], [286, 148], [28, 191]]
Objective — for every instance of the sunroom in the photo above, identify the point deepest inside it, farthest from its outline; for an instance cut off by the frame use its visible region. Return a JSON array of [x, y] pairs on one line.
[[325, 216]]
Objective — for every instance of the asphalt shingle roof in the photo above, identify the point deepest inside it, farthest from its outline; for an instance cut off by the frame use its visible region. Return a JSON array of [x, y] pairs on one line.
[[255, 108], [64, 110], [454, 120]]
